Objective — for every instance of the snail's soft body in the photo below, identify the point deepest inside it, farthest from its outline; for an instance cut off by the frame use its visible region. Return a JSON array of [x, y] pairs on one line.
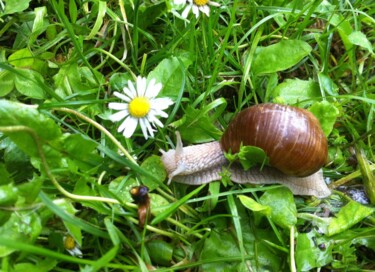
[[263, 126]]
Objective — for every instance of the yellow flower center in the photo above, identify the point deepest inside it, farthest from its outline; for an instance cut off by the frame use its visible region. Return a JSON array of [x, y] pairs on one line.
[[139, 107], [200, 2]]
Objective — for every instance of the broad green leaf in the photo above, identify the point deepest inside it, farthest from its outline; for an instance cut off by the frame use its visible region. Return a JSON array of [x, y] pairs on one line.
[[296, 91], [43, 265], [121, 187], [6, 82], [327, 85], [326, 114], [309, 254], [23, 226], [81, 152], [5, 177], [250, 156], [118, 81], [254, 206], [155, 167], [17, 161], [8, 194], [279, 56], [158, 204], [169, 72], [13, 6], [27, 83], [283, 207], [21, 58], [30, 189], [348, 216], [197, 127], [360, 39], [17, 114], [160, 252], [222, 244]]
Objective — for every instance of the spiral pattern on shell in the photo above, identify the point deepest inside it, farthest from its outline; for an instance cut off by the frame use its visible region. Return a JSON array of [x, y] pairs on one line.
[[291, 137]]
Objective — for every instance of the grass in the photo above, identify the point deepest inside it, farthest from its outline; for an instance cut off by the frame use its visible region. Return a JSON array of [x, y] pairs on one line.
[[66, 173]]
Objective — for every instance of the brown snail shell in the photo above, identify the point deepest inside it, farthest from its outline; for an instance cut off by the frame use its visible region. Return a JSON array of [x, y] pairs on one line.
[[291, 137]]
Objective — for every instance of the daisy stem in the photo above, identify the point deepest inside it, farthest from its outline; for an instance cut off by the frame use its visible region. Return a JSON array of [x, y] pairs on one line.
[[102, 129]]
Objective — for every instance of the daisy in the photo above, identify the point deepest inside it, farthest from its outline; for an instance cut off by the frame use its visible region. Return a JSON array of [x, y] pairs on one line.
[[140, 107], [72, 246], [196, 6]]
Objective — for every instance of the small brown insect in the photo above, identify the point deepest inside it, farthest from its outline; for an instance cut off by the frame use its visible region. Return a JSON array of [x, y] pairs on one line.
[[141, 198]]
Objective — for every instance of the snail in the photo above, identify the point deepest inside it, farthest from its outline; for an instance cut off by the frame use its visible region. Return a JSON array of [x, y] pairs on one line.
[[291, 137]]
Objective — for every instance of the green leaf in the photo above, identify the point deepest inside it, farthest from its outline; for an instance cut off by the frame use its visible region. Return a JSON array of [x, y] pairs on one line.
[[6, 82], [5, 177], [155, 167], [309, 255], [121, 187], [283, 207], [158, 204], [27, 83], [81, 152], [21, 58], [326, 114], [360, 39], [23, 226], [296, 91], [197, 127], [13, 6], [348, 216], [279, 56], [250, 156], [254, 206], [8, 194], [17, 114], [169, 72], [327, 84], [160, 252], [118, 81], [73, 11]]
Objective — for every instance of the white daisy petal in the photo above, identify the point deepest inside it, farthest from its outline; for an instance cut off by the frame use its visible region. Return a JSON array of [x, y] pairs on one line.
[[118, 106], [118, 116], [156, 121], [128, 126], [214, 4], [131, 89], [195, 10], [141, 86], [205, 9], [153, 89], [122, 96], [161, 103], [143, 127], [179, 2], [186, 11], [149, 128]]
